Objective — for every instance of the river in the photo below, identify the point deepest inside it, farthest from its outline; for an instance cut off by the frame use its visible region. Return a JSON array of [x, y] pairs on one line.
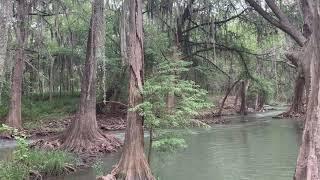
[[255, 147]]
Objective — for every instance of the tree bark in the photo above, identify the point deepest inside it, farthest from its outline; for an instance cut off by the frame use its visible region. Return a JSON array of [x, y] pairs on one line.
[[308, 163], [14, 116], [133, 164], [297, 104]]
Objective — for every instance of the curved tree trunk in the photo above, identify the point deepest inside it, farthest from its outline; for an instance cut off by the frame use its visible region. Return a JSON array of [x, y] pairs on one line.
[[308, 163], [133, 164], [14, 116], [225, 97]]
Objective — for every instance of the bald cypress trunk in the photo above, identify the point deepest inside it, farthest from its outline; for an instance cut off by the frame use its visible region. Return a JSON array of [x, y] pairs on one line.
[[14, 116], [308, 163], [133, 164]]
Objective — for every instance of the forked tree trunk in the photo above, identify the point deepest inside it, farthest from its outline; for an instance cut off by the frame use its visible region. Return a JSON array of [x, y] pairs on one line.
[[133, 164], [308, 163], [83, 135], [14, 116]]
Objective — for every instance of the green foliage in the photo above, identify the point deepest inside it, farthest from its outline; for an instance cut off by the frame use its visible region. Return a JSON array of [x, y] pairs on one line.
[[51, 163], [169, 144], [12, 171], [25, 160], [165, 80], [263, 87], [35, 112]]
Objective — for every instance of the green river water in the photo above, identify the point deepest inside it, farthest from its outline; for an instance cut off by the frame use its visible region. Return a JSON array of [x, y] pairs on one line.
[[255, 147]]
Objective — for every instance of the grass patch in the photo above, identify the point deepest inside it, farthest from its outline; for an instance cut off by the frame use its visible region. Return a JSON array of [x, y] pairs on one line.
[[46, 163], [36, 111], [38, 162]]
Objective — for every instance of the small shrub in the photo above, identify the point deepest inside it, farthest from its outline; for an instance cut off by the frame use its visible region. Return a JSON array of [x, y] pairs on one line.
[[50, 163], [169, 144]]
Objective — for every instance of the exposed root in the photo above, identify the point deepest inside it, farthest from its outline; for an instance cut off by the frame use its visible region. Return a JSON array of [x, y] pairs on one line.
[[106, 122], [94, 146], [289, 114]]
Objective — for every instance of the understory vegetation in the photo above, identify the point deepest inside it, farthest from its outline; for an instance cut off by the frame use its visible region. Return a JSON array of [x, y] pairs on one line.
[[27, 163]]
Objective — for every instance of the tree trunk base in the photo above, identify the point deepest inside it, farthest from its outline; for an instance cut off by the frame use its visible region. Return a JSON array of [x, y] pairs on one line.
[[97, 144], [133, 169], [290, 114]]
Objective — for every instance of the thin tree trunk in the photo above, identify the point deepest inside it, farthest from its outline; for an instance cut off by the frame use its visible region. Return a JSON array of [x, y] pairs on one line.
[[243, 95], [14, 116], [51, 88], [150, 145], [133, 164]]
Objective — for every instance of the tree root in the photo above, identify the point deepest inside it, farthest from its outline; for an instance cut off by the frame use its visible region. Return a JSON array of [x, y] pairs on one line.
[[289, 114], [84, 147]]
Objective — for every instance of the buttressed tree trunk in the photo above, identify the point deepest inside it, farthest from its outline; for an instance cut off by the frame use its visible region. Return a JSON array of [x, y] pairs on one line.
[[308, 163], [83, 135], [133, 164], [14, 116]]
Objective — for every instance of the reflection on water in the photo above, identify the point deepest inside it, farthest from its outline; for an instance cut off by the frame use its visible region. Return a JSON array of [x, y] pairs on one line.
[[260, 149], [263, 150]]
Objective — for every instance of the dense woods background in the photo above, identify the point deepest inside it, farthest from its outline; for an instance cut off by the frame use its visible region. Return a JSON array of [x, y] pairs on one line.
[[153, 64]]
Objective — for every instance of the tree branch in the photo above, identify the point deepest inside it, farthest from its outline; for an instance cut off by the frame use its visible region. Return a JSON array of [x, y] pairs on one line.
[[208, 60], [282, 22], [216, 22]]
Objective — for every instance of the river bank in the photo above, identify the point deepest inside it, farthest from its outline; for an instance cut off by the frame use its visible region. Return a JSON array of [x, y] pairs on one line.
[[255, 121]]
